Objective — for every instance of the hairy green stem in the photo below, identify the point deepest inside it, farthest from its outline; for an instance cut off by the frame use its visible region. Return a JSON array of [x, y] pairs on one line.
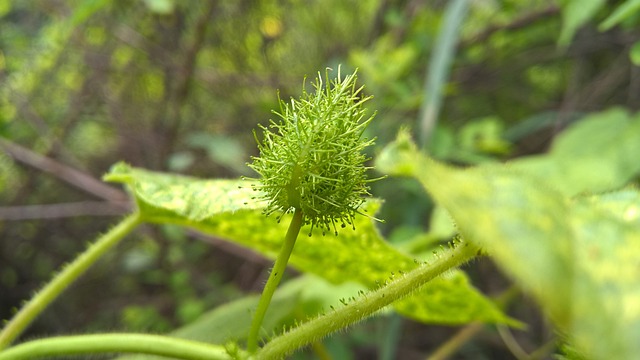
[[274, 279], [116, 343], [366, 305], [64, 278]]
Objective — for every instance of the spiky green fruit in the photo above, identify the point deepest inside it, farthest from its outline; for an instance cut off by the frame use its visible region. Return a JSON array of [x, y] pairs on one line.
[[312, 160]]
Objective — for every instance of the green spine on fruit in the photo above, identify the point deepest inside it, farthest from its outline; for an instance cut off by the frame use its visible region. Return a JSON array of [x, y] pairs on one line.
[[312, 159]]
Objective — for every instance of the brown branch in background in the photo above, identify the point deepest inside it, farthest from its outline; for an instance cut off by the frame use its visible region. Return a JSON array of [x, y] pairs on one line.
[[185, 75], [134, 39], [182, 87], [377, 25], [608, 81], [633, 97], [451, 346], [585, 96], [518, 23], [251, 275], [231, 248], [55, 211], [63, 172]]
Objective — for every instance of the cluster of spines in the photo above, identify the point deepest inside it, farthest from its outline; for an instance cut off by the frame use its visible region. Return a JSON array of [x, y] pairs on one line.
[[312, 160]]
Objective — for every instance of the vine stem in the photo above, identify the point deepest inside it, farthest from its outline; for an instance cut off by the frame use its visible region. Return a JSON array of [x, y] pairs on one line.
[[64, 278], [366, 305], [116, 343], [274, 279]]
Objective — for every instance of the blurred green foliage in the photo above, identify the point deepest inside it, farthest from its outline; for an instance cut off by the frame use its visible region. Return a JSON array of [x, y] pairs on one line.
[[178, 85]]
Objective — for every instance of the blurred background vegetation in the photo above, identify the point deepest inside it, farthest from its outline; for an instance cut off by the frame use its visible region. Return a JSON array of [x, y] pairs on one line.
[[179, 85]]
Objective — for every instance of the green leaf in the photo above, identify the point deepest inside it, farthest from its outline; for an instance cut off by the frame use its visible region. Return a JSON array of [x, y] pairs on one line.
[[162, 7], [576, 13], [227, 209], [607, 290], [606, 144], [86, 9], [578, 257], [494, 207], [223, 150], [172, 196], [5, 8], [634, 53], [436, 303], [625, 10]]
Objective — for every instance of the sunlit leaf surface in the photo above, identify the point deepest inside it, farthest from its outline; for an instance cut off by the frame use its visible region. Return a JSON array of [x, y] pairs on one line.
[[579, 256], [598, 153], [227, 209]]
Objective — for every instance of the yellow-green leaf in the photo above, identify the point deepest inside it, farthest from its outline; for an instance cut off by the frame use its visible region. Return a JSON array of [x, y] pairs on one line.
[[578, 256], [598, 153], [227, 209]]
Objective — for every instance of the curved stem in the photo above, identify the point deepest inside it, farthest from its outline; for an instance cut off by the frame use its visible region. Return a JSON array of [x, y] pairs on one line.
[[62, 280], [367, 305], [274, 279], [115, 343], [448, 348]]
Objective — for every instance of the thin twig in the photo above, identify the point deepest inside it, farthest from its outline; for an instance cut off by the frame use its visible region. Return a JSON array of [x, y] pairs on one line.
[[452, 345], [511, 343], [516, 24], [63, 172], [55, 211], [185, 75], [231, 248]]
